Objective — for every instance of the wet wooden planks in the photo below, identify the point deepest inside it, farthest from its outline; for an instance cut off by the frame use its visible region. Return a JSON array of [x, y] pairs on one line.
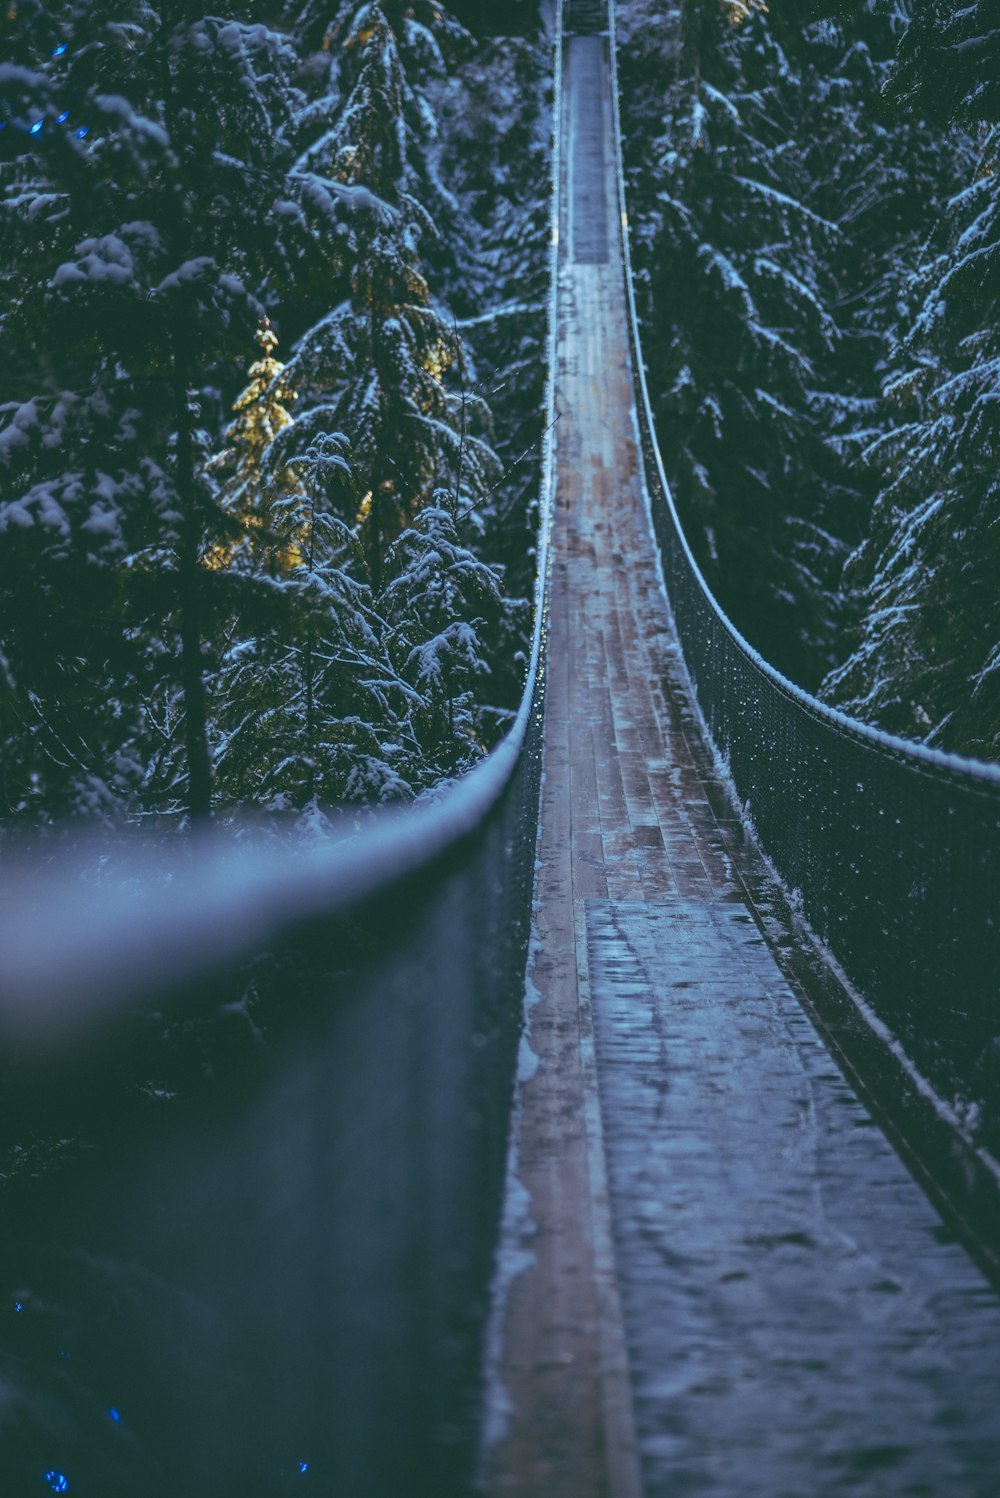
[[798, 1321], [564, 1366]]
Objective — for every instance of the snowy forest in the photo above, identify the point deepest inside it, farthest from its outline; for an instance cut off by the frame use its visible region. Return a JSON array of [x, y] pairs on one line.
[[273, 291], [814, 196], [273, 311]]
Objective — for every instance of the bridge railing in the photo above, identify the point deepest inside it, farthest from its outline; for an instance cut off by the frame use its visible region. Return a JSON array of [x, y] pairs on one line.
[[253, 1130], [891, 849]]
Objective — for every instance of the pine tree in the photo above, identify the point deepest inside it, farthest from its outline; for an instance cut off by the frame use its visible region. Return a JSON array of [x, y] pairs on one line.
[[412, 43], [254, 501], [927, 656], [393, 364], [382, 356], [881, 179], [441, 601], [496, 158], [948, 62], [171, 174], [737, 296], [309, 709], [160, 190]]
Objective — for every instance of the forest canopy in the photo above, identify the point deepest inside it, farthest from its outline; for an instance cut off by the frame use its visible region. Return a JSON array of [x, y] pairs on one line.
[[264, 541], [273, 300], [814, 199]]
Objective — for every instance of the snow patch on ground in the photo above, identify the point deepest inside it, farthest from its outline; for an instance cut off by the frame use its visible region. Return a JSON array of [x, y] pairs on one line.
[[517, 1226], [527, 1061]]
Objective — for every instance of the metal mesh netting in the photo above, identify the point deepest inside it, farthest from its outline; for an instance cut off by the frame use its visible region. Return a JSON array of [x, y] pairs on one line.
[[246, 1245], [892, 850]]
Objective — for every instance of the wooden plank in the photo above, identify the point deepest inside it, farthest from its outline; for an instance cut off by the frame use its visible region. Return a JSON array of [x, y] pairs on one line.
[[570, 1432]]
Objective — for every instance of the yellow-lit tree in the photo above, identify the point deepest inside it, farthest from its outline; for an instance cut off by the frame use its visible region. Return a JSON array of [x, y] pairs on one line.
[[382, 357], [252, 495], [737, 11]]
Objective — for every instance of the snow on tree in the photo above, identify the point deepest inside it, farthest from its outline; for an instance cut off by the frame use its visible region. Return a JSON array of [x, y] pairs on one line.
[[382, 356], [440, 600], [927, 655], [309, 710], [250, 494], [948, 62], [412, 43], [737, 299], [161, 191], [881, 179], [188, 608], [495, 155]]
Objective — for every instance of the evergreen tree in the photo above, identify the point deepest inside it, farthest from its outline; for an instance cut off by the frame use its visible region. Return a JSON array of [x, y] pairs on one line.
[[154, 188], [412, 43], [309, 709], [382, 356], [881, 179], [926, 660], [169, 174], [736, 295], [496, 158], [252, 496], [948, 62], [441, 601]]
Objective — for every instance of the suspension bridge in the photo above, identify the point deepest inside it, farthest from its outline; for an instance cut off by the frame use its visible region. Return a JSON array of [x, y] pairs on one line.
[[655, 1153]]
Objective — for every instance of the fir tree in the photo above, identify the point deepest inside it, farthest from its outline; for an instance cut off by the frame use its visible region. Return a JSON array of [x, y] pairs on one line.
[[251, 495], [309, 709], [737, 296], [881, 179], [172, 173], [160, 189], [412, 45], [928, 651], [382, 356], [496, 158], [441, 601], [948, 62]]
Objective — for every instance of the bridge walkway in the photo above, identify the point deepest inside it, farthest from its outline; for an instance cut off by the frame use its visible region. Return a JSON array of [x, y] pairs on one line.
[[732, 1283]]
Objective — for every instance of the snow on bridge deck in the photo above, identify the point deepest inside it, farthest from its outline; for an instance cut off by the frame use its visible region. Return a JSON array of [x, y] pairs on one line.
[[734, 1285]]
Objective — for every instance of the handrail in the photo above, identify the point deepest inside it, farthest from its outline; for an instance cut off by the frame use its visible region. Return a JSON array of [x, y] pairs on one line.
[[70, 949], [890, 849]]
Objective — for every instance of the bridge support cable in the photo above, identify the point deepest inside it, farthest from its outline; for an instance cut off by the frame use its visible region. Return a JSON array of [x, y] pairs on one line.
[[891, 850]]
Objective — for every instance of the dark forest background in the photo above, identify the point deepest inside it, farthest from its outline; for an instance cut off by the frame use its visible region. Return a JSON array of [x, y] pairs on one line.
[[273, 310], [273, 287], [815, 202]]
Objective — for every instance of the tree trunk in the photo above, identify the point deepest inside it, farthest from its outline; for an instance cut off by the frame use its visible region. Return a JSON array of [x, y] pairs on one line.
[[310, 715], [189, 583], [309, 660], [375, 538]]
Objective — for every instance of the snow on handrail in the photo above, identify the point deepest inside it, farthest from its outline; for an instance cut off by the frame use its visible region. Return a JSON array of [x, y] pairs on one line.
[[921, 756], [73, 949]]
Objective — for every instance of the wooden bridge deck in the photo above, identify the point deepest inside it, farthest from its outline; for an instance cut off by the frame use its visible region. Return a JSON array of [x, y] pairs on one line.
[[733, 1284]]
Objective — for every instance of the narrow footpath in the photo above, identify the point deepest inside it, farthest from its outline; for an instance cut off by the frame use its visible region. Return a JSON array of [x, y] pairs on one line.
[[733, 1287]]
